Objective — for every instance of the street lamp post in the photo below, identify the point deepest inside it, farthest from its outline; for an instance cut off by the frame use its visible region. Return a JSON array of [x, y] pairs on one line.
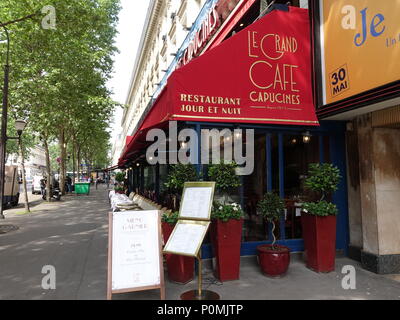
[[4, 123], [20, 126], [3, 136]]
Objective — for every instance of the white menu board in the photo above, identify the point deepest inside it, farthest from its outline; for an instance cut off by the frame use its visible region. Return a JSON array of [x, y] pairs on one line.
[[135, 250], [196, 203], [187, 237]]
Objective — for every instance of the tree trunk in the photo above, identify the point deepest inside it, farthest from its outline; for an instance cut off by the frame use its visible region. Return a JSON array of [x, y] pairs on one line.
[[62, 162], [273, 233], [21, 151], [78, 160], [89, 169], [73, 161], [48, 168]]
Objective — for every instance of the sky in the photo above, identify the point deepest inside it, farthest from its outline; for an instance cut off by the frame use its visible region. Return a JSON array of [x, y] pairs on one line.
[[131, 22]]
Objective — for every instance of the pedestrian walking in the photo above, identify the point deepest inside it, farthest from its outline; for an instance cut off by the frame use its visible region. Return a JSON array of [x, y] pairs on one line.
[[69, 184], [43, 183], [96, 182]]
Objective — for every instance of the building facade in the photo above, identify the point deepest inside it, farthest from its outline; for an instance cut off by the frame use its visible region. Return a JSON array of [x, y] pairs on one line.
[[166, 27], [35, 165], [358, 84], [185, 48]]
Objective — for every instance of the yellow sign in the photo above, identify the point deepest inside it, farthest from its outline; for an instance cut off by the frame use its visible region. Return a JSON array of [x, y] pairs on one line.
[[360, 46]]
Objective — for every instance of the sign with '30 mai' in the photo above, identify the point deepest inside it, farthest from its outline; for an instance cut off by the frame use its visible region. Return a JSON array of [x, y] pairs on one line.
[[360, 45]]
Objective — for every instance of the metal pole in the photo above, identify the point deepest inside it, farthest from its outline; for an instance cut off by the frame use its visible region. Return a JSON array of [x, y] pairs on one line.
[[21, 150], [4, 125], [200, 280], [3, 138]]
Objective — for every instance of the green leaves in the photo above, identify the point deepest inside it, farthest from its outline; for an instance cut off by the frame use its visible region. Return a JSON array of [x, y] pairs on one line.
[[324, 179], [119, 188], [224, 175], [180, 174], [225, 212], [58, 77], [271, 206], [170, 218], [120, 177], [321, 208]]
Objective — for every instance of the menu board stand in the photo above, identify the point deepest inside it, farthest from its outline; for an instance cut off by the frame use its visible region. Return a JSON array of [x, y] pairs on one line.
[[157, 258], [200, 294], [188, 234]]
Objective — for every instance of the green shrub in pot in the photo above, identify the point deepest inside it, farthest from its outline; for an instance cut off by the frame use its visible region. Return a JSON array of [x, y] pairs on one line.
[[319, 218], [120, 177], [323, 179], [170, 218], [274, 259], [225, 212], [178, 175], [226, 180]]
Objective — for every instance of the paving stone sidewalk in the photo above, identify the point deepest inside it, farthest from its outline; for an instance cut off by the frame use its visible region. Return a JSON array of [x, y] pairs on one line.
[[71, 235]]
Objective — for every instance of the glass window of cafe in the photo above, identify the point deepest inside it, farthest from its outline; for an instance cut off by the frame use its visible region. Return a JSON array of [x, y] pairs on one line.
[[290, 156], [281, 163]]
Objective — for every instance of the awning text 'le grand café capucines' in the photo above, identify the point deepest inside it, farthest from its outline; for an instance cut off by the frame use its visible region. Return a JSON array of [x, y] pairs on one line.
[[260, 75]]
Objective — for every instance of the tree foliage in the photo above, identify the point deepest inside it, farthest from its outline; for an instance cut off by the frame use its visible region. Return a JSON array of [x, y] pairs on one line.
[[58, 76], [324, 179], [271, 207], [224, 175], [179, 174]]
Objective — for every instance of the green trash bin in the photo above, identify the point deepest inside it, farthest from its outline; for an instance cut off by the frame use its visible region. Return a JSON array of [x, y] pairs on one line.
[[82, 188]]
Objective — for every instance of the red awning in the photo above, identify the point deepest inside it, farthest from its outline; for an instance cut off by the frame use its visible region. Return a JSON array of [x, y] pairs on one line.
[[260, 75], [111, 168], [239, 12], [128, 140], [157, 116]]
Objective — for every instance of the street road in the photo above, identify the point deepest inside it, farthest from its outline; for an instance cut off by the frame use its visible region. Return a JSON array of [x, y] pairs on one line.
[[70, 235]]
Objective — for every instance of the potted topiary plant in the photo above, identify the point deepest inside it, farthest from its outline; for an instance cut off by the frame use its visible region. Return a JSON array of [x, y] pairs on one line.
[[119, 189], [227, 223], [120, 177], [273, 259], [226, 180], [319, 218], [180, 268]]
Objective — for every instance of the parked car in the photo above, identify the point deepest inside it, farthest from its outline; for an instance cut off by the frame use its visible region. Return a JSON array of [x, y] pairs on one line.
[[36, 185]]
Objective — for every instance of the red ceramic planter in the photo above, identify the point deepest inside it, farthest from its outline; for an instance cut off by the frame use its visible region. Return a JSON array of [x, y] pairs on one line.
[[180, 268], [319, 235], [226, 239], [273, 263]]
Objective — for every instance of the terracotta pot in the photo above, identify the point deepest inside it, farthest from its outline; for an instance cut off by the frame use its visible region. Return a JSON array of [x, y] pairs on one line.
[[226, 238], [273, 263], [319, 235], [180, 269]]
